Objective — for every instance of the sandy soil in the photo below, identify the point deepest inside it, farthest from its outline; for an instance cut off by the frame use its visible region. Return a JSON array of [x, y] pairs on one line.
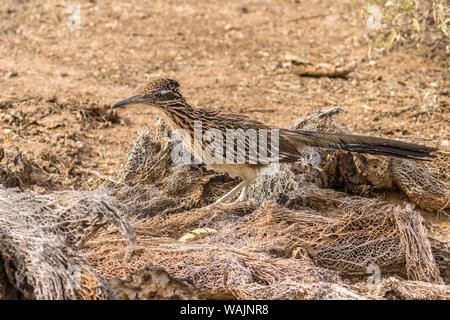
[[59, 75]]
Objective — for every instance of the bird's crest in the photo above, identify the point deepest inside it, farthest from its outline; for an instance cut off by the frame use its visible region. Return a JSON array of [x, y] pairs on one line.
[[160, 84]]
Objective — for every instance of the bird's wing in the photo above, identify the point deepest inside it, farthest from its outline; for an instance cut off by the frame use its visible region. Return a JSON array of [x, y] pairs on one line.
[[249, 141]]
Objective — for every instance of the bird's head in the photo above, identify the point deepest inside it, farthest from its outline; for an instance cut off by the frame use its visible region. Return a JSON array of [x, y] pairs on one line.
[[158, 93]]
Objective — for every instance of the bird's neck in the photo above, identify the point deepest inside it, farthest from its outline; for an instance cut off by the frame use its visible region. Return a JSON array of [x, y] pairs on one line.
[[180, 105], [180, 115]]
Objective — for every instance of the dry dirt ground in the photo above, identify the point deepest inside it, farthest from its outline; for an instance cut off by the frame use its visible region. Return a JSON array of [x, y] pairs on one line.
[[63, 63]]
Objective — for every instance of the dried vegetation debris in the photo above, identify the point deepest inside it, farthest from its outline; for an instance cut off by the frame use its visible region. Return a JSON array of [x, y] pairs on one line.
[[296, 238], [19, 169], [276, 253], [40, 235], [151, 184], [355, 173], [153, 282], [46, 142], [305, 243]]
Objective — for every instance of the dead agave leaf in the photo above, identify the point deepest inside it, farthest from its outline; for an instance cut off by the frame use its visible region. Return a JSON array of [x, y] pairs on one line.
[[324, 70], [197, 234]]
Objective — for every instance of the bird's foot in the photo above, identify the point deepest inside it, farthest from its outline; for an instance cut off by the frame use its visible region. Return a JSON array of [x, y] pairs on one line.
[[240, 187], [243, 195]]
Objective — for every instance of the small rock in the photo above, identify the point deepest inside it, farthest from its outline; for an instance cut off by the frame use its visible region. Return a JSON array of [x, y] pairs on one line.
[[5, 104], [295, 59], [11, 74], [245, 10], [228, 27]]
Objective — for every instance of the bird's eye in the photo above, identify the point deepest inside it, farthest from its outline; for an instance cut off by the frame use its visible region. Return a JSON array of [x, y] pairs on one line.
[[157, 95]]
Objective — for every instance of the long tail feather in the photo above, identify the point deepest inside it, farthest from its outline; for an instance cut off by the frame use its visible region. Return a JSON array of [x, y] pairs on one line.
[[361, 144]]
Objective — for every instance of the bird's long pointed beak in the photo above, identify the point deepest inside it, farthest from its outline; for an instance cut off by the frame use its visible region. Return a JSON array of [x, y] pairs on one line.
[[130, 100]]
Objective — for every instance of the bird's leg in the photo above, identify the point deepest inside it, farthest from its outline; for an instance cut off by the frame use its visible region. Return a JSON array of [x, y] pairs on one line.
[[231, 193], [243, 194]]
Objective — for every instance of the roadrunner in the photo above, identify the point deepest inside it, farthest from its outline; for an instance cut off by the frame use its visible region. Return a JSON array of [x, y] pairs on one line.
[[246, 159]]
